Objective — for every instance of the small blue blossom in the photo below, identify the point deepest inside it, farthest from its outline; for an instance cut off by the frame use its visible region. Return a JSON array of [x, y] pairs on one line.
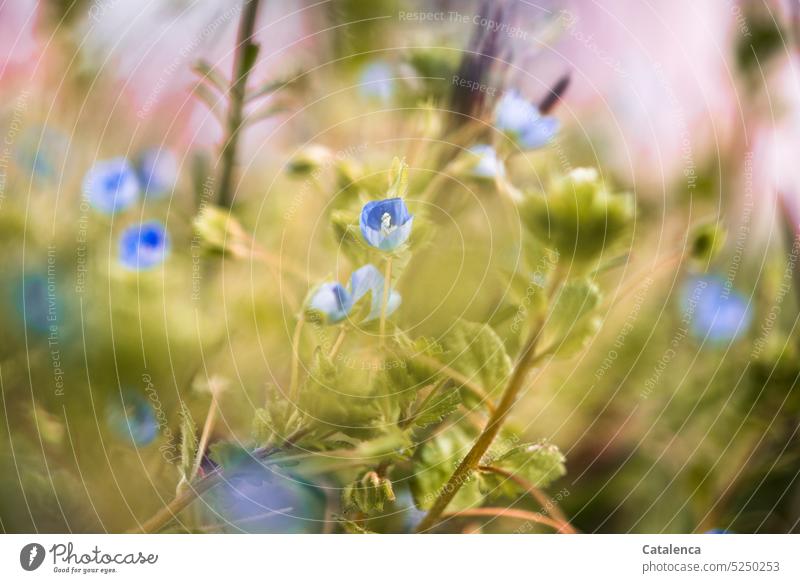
[[368, 279], [332, 301], [718, 313], [143, 246], [376, 81], [719, 531], [132, 419], [487, 163], [522, 122], [111, 185], [158, 172], [386, 224]]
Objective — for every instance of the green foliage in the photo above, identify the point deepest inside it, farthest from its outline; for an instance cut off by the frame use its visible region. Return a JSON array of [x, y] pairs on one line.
[[368, 494], [398, 179], [220, 232], [434, 463], [188, 442], [579, 217], [309, 159], [537, 463], [706, 242], [276, 421], [342, 397], [437, 406], [573, 321], [478, 353]]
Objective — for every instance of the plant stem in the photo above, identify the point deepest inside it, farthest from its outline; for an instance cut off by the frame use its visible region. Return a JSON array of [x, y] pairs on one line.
[[387, 283], [211, 418], [548, 504], [473, 458], [295, 378], [337, 343], [458, 377], [242, 66], [169, 512], [510, 512]]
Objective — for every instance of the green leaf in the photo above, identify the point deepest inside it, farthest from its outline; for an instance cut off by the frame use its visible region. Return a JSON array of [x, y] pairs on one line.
[[398, 179], [579, 217], [706, 241], [434, 463], [478, 353], [348, 238], [342, 397], [572, 321], [368, 494], [204, 69], [437, 406], [538, 463], [188, 442]]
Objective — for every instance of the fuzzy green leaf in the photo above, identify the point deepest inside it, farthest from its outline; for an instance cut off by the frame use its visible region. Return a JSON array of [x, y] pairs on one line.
[[478, 353], [398, 179], [538, 463], [438, 406], [434, 463], [573, 321], [579, 217]]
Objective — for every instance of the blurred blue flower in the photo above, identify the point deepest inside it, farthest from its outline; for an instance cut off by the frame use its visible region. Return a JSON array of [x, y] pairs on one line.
[[522, 122], [368, 279], [332, 301], [111, 185], [158, 172], [719, 531], [376, 81], [143, 246], [386, 224], [132, 418], [281, 504], [718, 313], [487, 163]]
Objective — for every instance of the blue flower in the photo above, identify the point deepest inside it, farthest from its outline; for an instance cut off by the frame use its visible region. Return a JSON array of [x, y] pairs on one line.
[[335, 303], [376, 81], [522, 122], [487, 163], [132, 419], [718, 313], [719, 531], [158, 172], [386, 224], [332, 301], [143, 246], [268, 500], [111, 185], [368, 280]]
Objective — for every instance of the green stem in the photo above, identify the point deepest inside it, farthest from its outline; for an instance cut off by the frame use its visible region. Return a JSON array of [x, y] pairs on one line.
[[243, 62], [293, 383], [337, 343], [472, 460], [387, 283]]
